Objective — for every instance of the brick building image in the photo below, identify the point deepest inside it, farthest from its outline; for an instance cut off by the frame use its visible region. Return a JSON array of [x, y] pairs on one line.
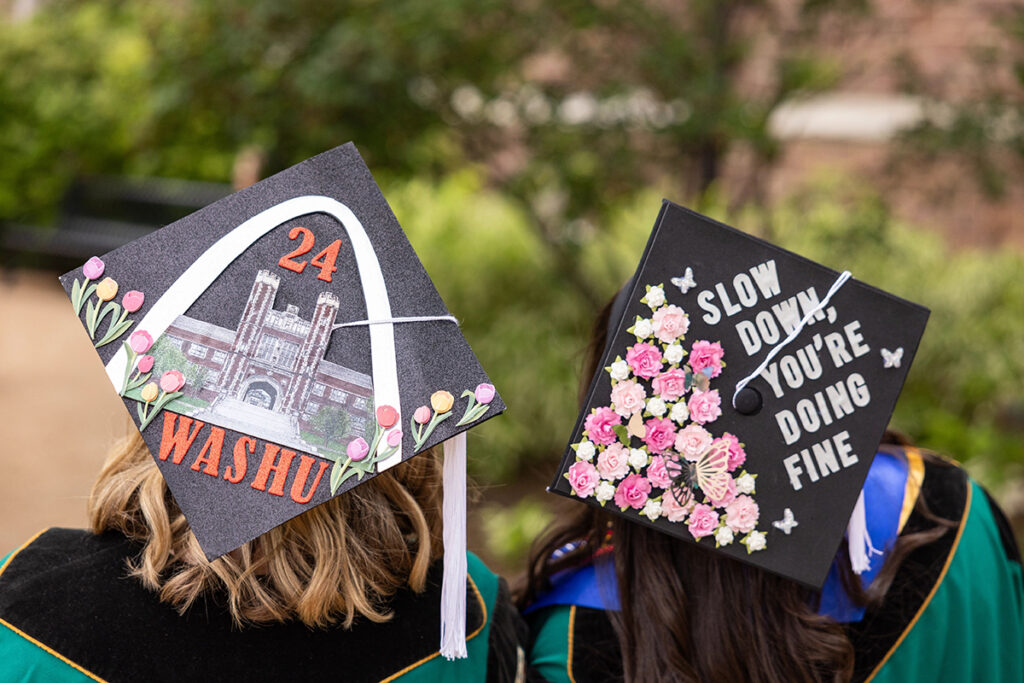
[[268, 378]]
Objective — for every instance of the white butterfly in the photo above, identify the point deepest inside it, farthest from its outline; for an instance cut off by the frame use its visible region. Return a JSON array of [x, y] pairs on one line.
[[892, 359], [787, 522], [686, 282]]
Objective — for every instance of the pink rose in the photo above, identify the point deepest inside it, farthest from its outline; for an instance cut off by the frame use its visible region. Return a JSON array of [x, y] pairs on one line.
[[644, 359], [613, 462], [140, 341], [741, 515], [583, 478], [394, 437], [661, 434], [600, 423], [172, 380], [132, 300], [670, 385], [145, 364], [422, 415], [705, 406], [705, 354], [628, 397], [632, 492], [657, 474], [728, 497], [93, 268], [670, 322], [357, 449], [737, 456], [692, 441], [484, 393], [676, 504], [703, 521]]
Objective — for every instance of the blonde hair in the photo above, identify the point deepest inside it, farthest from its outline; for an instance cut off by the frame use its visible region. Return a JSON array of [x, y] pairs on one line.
[[336, 561]]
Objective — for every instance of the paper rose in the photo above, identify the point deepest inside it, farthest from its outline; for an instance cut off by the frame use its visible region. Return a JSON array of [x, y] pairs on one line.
[[93, 268], [656, 407], [657, 474], [442, 401], [673, 354], [692, 441], [613, 462], [670, 323], [619, 370], [661, 434], [585, 450], [705, 406], [357, 449], [728, 497], [632, 492], [172, 380], [644, 359], [703, 521], [723, 536], [754, 541], [643, 328], [628, 397], [652, 509], [672, 509], [583, 479], [484, 393], [670, 385], [600, 424], [737, 456], [637, 458], [679, 413], [655, 297], [132, 300], [745, 483], [705, 354], [605, 491], [742, 514]]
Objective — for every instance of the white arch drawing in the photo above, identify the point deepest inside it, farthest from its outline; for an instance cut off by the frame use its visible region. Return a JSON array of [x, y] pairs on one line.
[[198, 277]]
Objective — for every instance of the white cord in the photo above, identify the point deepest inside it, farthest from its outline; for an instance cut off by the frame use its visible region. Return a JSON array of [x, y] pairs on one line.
[[840, 281], [410, 319]]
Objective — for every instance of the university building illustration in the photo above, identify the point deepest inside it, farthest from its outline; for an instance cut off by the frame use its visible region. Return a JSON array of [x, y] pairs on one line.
[[268, 377]]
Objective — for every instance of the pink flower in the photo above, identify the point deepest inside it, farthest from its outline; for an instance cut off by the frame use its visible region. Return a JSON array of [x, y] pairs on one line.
[[599, 425], [676, 504], [132, 300], [394, 437], [93, 268], [670, 322], [357, 449], [140, 341], [661, 434], [583, 478], [702, 522], [741, 515], [705, 406], [145, 364], [387, 416], [422, 415], [670, 385], [692, 441], [657, 474], [644, 359], [729, 497], [737, 456], [632, 492], [705, 354], [172, 380], [484, 393], [628, 397], [613, 462]]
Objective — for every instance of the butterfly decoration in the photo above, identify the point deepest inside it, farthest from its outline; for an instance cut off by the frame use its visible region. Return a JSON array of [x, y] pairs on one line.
[[892, 359], [787, 522], [700, 381], [686, 282], [709, 473], [636, 426]]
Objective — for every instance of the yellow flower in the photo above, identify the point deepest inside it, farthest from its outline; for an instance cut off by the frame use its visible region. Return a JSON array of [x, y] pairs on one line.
[[441, 401], [149, 392], [107, 289]]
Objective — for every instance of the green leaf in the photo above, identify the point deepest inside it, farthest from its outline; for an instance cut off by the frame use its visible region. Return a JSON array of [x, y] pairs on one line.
[[114, 331], [622, 433], [336, 473], [91, 309]]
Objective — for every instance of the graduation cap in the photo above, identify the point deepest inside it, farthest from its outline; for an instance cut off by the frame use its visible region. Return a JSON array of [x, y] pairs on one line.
[[741, 397], [282, 346]]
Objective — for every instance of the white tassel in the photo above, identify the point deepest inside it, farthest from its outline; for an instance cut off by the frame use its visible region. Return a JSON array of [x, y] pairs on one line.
[[858, 538], [453, 587]]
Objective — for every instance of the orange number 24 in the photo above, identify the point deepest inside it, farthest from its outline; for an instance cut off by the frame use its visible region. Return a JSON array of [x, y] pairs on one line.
[[324, 260]]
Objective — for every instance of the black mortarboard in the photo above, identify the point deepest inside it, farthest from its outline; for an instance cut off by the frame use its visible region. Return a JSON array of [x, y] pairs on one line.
[[741, 396], [280, 347]]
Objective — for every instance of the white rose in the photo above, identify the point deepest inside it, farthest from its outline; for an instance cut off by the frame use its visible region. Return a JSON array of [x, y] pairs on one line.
[[680, 413], [723, 536], [655, 297], [643, 328], [652, 509], [637, 458], [585, 450], [673, 353], [656, 407], [745, 483], [619, 370], [605, 491], [755, 541]]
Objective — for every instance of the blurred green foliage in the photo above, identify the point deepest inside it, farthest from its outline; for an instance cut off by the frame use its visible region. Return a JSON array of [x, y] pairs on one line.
[[509, 530]]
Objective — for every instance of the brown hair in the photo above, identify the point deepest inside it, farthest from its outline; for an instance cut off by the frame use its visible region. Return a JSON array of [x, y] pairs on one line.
[[337, 561], [690, 615]]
